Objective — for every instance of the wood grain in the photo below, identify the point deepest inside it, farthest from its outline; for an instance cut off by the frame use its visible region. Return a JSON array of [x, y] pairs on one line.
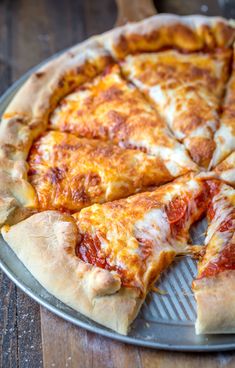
[[184, 7], [29, 346], [65, 345], [31, 31], [98, 16], [8, 313], [129, 13], [8, 323], [82, 349]]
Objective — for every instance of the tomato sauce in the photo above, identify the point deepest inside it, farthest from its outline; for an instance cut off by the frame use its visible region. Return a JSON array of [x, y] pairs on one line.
[[225, 261], [89, 250], [226, 225], [213, 187], [176, 209], [146, 248], [210, 211], [202, 199], [226, 257]]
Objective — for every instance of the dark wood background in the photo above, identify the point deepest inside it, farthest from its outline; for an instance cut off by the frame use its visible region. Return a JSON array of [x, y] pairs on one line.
[[30, 336]]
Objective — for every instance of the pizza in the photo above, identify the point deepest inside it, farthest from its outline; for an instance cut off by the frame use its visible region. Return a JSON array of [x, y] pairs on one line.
[[109, 154], [69, 173], [109, 108], [107, 256]]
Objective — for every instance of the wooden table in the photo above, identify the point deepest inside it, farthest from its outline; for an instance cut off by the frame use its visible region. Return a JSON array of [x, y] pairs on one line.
[[30, 31]]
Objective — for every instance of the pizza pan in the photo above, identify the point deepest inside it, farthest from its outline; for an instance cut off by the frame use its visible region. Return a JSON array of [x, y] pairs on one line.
[[166, 320]]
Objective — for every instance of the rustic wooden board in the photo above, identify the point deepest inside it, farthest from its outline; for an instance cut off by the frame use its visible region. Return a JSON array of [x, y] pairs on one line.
[[8, 314], [31, 31], [65, 345], [184, 7]]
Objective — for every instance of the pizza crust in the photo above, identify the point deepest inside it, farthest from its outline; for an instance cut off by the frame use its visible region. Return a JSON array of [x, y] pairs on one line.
[[49, 238], [189, 33], [17, 196], [215, 298], [26, 117], [47, 86], [48, 252], [27, 114]]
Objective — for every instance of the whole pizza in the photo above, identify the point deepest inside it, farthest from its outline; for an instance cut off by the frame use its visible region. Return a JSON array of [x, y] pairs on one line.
[[110, 152]]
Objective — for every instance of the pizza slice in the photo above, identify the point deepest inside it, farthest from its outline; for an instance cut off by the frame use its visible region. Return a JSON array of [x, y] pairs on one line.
[[128, 236], [214, 287], [110, 108], [69, 173], [186, 90], [225, 135], [103, 260]]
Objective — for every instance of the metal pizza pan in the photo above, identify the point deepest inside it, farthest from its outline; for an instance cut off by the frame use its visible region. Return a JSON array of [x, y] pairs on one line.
[[166, 320]]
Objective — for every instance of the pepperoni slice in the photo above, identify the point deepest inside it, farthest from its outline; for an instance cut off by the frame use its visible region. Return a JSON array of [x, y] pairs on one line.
[[225, 261], [214, 187], [226, 225], [210, 212], [89, 250], [176, 209]]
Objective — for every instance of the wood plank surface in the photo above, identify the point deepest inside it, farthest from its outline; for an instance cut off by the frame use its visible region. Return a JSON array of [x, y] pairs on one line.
[[65, 345], [32, 337], [8, 313]]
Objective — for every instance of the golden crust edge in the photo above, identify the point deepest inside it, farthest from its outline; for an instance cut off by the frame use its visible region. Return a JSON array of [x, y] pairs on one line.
[[39, 127], [155, 22], [48, 252], [23, 119], [93, 48], [215, 297]]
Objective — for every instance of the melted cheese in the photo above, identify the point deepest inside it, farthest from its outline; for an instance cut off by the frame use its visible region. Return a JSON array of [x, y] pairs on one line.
[[225, 142], [69, 173], [226, 169], [135, 233], [110, 108], [186, 90], [153, 226], [223, 204]]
